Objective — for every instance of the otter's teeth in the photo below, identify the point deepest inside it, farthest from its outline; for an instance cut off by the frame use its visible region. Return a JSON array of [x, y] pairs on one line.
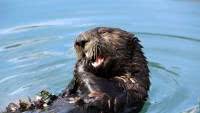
[[94, 64], [98, 62]]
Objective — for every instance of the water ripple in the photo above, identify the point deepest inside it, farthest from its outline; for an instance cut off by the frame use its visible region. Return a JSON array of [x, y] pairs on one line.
[[34, 56], [57, 22], [159, 66], [19, 90], [8, 78], [12, 46], [29, 42], [169, 35]]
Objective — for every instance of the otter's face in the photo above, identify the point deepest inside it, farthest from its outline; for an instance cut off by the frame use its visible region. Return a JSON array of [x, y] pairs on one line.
[[93, 48], [103, 45]]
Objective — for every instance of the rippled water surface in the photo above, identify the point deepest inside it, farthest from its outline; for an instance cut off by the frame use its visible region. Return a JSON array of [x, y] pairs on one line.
[[36, 46]]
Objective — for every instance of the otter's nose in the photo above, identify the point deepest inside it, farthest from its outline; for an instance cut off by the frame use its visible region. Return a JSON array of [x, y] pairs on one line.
[[80, 43]]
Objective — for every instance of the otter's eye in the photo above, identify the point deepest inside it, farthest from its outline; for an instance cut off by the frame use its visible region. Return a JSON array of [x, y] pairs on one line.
[[81, 43]]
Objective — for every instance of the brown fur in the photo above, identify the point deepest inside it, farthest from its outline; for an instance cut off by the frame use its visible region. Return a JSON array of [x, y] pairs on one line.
[[119, 85]]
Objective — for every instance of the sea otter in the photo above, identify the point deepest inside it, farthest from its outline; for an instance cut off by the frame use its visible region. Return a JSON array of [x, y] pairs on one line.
[[111, 74], [111, 70]]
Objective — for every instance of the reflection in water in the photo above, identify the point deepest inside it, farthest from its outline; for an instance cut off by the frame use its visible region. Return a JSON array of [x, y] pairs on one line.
[[36, 50]]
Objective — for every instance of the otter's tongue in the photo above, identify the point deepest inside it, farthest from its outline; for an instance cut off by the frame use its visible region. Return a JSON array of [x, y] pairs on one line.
[[98, 61]]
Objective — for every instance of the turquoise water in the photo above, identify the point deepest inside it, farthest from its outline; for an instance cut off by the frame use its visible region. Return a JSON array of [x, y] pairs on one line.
[[36, 46]]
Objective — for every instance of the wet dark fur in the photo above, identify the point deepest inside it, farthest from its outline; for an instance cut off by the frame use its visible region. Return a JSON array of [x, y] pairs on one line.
[[120, 85]]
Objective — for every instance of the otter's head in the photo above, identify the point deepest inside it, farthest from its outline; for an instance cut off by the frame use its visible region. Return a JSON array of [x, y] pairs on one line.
[[101, 45]]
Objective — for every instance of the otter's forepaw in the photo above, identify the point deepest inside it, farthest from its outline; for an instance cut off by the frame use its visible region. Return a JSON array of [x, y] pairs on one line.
[[96, 94], [96, 97]]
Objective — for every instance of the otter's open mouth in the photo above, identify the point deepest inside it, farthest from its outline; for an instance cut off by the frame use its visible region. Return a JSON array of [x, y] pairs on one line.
[[98, 61]]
